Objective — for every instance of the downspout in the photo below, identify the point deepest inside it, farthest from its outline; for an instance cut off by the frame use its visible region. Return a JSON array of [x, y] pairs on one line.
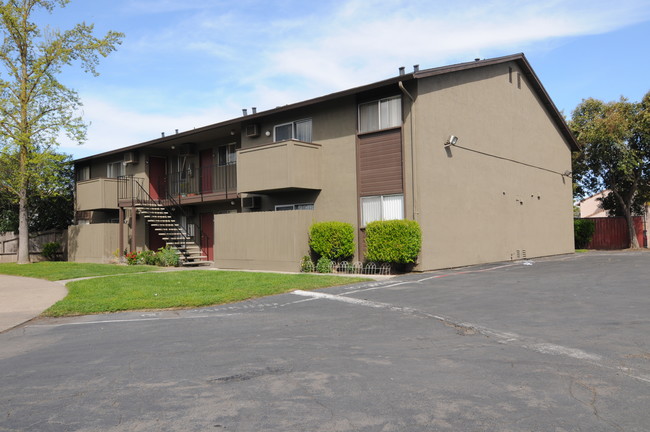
[[413, 197]]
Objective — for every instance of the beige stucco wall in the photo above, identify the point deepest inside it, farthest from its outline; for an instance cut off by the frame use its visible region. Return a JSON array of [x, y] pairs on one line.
[[94, 243], [475, 208], [287, 164], [334, 129], [99, 193], [263, 240]]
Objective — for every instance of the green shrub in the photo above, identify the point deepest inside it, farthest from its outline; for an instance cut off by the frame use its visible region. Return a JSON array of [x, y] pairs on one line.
[[324, 265], [393, 241], [333, 240], [50, 250], [167, 257], [148, 257], [583, 231], [306, 264]]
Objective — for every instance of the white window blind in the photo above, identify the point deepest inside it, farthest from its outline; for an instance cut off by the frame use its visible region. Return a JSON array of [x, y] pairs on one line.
[[380, 114], [303, 130], [114, 170], [381, 207], [299, 130]]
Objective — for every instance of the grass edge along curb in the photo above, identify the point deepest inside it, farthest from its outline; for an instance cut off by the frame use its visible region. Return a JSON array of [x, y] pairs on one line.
[[182, 290]]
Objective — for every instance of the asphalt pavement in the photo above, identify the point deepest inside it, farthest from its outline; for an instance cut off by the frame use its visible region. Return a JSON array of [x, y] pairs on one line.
[[556, 344]]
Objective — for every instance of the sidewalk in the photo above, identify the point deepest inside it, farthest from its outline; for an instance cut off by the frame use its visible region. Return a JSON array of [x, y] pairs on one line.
[[22, 299]]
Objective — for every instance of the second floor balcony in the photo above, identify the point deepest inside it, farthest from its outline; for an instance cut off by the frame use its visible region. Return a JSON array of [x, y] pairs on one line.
[[98, 193], [210, 183]]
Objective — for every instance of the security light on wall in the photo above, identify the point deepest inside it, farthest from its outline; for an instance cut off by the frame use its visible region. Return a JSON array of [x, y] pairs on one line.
[[451, 141]]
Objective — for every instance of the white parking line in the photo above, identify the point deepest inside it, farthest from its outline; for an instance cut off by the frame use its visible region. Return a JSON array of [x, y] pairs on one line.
[[531, 344], [129, 320]]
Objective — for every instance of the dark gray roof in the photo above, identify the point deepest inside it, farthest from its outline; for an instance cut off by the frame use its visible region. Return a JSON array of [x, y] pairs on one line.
[[520, 59]]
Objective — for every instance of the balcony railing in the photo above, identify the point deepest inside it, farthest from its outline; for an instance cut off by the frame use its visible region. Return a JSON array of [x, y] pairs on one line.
[[213, 179]]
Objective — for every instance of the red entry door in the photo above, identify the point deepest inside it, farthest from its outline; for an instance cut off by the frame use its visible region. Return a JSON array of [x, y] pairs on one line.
[[207, 235], [157, 180], [206, 160]]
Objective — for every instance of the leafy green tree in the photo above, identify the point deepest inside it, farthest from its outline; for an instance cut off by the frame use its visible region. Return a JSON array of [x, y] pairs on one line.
[[616, 153], [35, 107], [50, 207]]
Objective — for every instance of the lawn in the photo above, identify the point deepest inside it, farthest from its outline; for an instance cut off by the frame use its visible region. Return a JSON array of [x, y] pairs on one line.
[[68, 270], [182, 289]]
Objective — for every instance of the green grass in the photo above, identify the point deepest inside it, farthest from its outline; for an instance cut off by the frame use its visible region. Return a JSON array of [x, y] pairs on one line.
[[68, 270], [582, 250], [183, 289]]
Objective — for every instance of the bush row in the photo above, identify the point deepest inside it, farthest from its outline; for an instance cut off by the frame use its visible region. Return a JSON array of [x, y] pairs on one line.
[[393, 241]]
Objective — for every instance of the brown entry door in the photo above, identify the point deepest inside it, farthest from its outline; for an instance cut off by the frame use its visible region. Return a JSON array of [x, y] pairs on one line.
[[157, 178], [206, 160], [207, 235]]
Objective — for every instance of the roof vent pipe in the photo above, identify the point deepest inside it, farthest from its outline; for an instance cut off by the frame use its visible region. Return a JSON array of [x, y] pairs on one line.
[[244, 111], [254, 109], [401, 70], [176, 130], [416, 68], [162, 134]]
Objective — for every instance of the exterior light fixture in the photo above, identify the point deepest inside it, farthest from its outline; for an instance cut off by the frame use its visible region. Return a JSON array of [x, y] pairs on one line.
[[451, 141], [267, 133]]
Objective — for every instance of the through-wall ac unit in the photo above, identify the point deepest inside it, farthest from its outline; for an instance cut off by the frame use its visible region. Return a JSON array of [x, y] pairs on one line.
[[250, 202], [187, 149], [253, 130], [131, 157]]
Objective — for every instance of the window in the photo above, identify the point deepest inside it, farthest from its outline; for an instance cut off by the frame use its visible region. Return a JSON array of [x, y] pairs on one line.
[[298, 130], [284, 207], [83, 173], [380, 114], [227, 155], [114, 169], [381, 207]]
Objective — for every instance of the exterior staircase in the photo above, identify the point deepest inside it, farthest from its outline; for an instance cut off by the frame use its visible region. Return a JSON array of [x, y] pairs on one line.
[[158, 217]]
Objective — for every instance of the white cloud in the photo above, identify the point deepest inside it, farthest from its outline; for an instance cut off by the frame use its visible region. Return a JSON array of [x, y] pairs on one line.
[[114, 126], [206, 59]]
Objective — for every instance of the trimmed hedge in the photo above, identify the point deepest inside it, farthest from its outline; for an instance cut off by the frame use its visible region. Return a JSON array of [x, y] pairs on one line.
[[393, 241], [583, 231], [332, 240]]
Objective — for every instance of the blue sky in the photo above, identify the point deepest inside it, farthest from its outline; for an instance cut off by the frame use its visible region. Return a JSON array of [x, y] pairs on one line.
[[190, 63]]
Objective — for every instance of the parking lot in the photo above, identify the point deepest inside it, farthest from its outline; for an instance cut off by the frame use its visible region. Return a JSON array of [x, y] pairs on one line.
[[554, 344]]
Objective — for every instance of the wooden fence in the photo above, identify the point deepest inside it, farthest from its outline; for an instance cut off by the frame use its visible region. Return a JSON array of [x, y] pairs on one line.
[[9, 244], [611, 233]]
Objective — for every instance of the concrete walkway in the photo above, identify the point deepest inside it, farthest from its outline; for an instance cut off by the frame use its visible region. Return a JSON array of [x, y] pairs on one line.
[[22, 299]]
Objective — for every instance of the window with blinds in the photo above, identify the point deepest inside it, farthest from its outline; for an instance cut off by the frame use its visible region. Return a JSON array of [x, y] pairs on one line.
[[380, 114]]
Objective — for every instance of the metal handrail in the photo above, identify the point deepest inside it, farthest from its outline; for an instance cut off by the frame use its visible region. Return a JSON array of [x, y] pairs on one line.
[[140, 196], [127, 189]]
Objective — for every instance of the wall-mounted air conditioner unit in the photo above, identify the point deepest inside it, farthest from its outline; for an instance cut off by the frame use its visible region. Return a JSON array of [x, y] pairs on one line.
[[130, 157], [253, 130], [251, 202]]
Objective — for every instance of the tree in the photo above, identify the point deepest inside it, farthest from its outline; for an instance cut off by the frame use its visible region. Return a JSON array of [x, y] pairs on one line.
[[616, 153], [51, 206], [35, 108]]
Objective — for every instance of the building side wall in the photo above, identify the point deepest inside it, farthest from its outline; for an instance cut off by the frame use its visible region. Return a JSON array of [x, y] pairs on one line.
[[263, 240], [94, 243], [492, 197]]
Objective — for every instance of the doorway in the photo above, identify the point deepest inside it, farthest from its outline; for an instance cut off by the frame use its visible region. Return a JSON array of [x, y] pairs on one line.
[[157, 178], [207, 235], [206, 160]]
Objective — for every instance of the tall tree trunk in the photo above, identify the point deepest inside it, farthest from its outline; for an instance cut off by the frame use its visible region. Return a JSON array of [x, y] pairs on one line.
[[631, 230], [23, 229]]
